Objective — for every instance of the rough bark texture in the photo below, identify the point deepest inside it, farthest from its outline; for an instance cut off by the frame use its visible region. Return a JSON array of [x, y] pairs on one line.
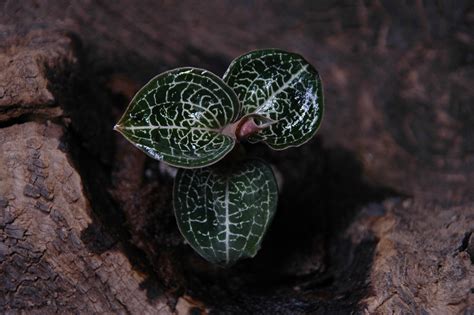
[[47, 265], [376, 214]]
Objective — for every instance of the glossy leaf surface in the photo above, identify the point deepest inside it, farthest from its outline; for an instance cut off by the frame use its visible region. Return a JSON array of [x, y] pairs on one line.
[[224, 212], [281, 86], [177, 117]]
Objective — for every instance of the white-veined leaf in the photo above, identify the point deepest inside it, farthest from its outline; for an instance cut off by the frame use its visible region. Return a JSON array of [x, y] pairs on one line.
[[224, 212], [178, 116], [281, 86]]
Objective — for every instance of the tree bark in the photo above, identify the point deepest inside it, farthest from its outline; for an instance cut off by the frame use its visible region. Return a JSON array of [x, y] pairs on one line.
[[376, 214]]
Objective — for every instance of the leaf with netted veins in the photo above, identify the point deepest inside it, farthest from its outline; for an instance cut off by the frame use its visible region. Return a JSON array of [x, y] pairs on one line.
[[280, 86], [224, 212], [178, 117]]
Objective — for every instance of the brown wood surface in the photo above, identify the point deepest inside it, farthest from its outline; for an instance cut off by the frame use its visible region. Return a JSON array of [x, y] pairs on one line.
[[376, 214]]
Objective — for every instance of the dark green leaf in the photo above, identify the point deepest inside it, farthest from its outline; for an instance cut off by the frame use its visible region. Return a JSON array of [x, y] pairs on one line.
[[177, 117], [224, 212], [281, 86]]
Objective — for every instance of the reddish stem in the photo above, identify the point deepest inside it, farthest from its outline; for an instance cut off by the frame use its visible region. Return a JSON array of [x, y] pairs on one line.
[[247, 128], [244, 128]]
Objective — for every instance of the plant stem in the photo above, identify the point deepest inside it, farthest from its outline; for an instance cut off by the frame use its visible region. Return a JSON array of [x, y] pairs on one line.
[[246, 126]]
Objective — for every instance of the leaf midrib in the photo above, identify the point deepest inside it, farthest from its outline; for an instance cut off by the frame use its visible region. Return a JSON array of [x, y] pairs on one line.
[[227, 220], [281, 88], [151, 127]]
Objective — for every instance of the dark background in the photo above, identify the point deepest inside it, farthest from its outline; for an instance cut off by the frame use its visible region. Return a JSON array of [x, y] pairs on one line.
[[396, 145]]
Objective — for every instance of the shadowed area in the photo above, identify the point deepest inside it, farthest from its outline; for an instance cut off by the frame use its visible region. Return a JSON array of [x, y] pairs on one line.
[[374, 215]]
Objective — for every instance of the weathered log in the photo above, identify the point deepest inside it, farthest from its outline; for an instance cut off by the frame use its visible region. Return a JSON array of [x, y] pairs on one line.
[[47, 265], [48, 236], [376, 214]]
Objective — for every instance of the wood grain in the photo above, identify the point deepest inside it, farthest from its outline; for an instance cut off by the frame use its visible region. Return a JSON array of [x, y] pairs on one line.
[[375, 215]]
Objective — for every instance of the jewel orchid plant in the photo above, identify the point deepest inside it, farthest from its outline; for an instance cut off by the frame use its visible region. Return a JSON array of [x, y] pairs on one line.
[[191, 119]]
